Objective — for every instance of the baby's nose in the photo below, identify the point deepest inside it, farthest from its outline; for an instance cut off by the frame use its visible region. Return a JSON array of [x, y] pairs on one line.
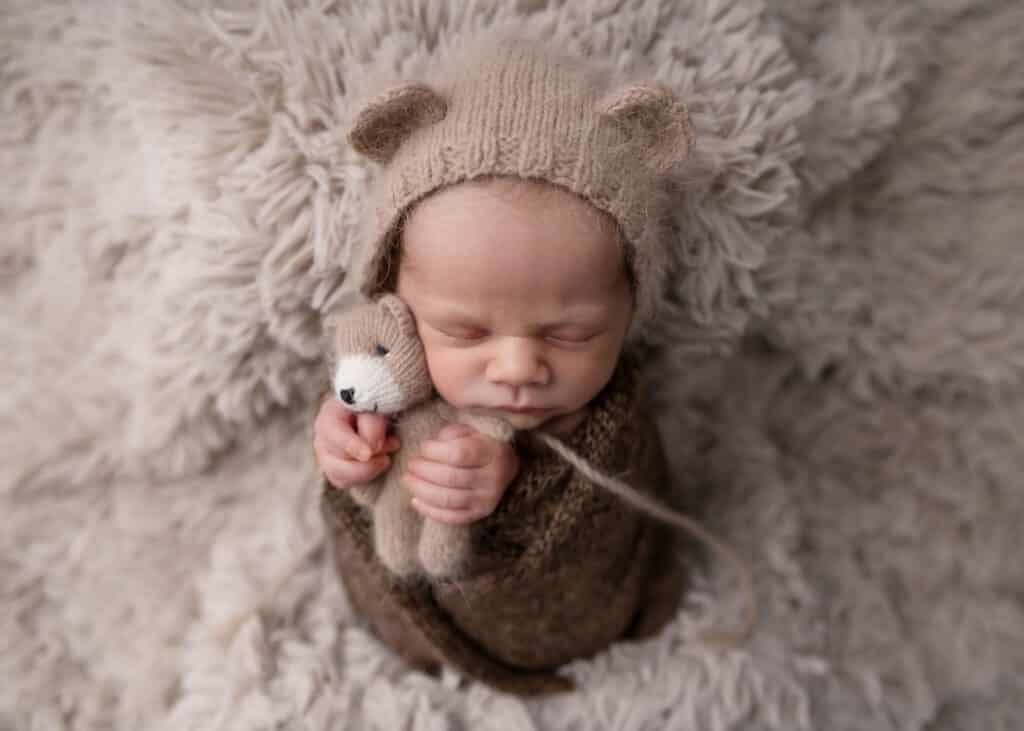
[[518, 363], [348, 395]]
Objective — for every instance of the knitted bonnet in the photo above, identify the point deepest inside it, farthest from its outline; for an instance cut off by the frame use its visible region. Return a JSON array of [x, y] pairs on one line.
[[505, 106]]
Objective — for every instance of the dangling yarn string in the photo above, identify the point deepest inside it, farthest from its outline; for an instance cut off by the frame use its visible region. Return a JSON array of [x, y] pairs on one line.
[[722, 639]]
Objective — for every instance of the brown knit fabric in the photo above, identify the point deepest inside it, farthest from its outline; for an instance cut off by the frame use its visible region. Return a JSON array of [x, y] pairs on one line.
[[561, 569], [505, 106]]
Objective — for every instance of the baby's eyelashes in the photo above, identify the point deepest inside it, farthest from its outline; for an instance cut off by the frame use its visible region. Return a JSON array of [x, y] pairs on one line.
[[571, 337], [465, 334]]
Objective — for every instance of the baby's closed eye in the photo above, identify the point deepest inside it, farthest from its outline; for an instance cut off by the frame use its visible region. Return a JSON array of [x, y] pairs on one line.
[[572, 335], [569, 333], [464, 333]]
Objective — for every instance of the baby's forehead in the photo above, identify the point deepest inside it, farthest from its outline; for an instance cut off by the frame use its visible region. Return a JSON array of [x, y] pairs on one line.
[[511, 221]]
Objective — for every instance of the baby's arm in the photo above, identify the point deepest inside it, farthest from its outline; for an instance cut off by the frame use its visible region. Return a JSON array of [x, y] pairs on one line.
[[460, 475], [351, 449]]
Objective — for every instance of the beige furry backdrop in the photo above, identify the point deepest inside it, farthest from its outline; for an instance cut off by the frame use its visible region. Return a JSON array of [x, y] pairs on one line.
[[843, 362]]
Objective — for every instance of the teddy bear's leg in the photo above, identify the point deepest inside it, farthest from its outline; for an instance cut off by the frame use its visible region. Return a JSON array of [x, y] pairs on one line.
[[444, 549], [396, 530]]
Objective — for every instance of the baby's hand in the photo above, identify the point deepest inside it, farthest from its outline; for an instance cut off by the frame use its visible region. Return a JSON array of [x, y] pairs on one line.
[[351, 449], [460, 475]]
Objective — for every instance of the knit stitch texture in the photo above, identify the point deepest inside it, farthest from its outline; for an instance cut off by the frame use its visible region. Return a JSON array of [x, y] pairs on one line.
[[559, 571], [179, 210], [506, 106]]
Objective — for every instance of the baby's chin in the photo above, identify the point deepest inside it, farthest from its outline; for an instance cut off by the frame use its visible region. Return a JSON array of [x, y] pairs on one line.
[[518, 420], [521, 421]]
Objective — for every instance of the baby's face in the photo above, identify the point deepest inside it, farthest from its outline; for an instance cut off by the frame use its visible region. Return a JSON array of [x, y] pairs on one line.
[[520, 297]]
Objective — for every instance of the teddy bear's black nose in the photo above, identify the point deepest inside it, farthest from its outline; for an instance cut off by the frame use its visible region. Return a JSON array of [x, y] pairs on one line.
[[348, 395]]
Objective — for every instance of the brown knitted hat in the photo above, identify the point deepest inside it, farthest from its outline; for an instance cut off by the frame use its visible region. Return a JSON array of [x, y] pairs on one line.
[[502, 106]]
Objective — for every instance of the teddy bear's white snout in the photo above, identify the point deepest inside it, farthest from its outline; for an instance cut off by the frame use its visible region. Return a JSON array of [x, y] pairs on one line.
[[364, 386]]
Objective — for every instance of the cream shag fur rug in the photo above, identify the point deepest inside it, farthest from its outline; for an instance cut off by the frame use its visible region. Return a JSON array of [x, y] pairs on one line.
[[177, 208]]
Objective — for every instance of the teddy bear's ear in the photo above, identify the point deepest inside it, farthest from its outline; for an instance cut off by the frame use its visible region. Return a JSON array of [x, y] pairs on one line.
[[394, 307], [389, 118], [655, 119]]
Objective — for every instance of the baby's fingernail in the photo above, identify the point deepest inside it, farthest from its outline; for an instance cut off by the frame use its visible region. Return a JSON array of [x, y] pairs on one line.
[[363, 454]]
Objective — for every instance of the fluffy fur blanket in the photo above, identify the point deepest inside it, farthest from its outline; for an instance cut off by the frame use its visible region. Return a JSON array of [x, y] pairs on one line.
[[842, 365]]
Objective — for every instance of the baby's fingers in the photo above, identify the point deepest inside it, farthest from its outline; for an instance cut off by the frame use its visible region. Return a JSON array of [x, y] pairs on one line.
[[455, 507], [373, 429], [455, 431], [345, 473], [467, 451], [334, 433], [354, 448], [438, 496], [443, 475]]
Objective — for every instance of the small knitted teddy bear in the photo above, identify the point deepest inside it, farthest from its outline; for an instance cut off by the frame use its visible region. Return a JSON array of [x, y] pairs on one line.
[[379, 365]]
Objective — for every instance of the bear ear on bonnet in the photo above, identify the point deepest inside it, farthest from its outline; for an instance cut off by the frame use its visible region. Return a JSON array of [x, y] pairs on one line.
[[655, 120], [390, 117]]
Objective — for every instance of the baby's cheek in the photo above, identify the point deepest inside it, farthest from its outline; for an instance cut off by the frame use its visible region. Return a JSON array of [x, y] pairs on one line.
[[587, 373], [451, 371]]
